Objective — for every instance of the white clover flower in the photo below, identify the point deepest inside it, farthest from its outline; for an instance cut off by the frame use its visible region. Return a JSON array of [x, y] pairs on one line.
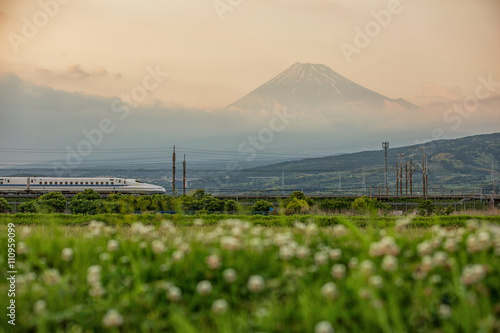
[[321, 258], [286, 253], [299, 225], [367, 267], [22, 248], [105, 256], [25, 232], [67, 254], [473, 274], [473, 244], [96, 228], [174, 294], [178, 255], [376, 281], [339, 230], [435, 279], [230, 275], [445, 311], [329, 290], [427, 264], [338, 271], [450, 245], [302, 252], [389, 263], [256, 283], [124, 259], [157, 246], [113, 245], [94, 274], [51, 276], [198, 222], [312, 229], [424, 248], [97, 290], [353, 263], [40, 307], [112, 318], [204, 287], [230, 243], [440, 258], [335, 254], [323, 327], [213, 261], [219, 306]]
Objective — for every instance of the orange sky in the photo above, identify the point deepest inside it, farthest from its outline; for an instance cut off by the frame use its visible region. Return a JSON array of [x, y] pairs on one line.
[[430, 51]]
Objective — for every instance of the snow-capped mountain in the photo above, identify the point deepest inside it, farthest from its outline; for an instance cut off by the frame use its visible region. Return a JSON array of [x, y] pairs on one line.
[[311, 87]]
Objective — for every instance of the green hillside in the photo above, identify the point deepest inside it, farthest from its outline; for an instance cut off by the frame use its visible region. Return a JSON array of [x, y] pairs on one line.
[[463, 164]]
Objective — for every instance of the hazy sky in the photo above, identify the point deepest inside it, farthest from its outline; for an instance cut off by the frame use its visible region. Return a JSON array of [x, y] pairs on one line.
[[429, 50], [64, 63]]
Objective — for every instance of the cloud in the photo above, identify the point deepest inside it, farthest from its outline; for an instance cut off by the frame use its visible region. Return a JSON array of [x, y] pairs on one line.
[[432, 93]]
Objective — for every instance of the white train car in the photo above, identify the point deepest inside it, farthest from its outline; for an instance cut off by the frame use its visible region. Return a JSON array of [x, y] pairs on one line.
[[75, 185]]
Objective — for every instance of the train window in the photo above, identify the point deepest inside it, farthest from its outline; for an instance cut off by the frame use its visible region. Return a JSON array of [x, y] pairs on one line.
[[81, 183], [55, 183], [86, 183], [45, 183], [1, 183], [112, 183], [107, 183], [71, 183], [119, 181], [50, 183], [65, 183], [40, 183], [102, 183], [32, 180]]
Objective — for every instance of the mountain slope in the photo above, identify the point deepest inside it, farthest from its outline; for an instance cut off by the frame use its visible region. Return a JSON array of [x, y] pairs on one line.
[[308, 87], [457, 163]]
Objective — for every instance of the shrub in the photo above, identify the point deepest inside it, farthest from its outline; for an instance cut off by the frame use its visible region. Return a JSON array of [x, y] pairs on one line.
[[53, 202], [425, 207], [261, 206], [88, 202], [297, 206], [4, 206], [27, 207]]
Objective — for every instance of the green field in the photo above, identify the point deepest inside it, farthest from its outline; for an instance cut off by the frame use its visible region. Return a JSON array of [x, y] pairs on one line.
[[253, 273]]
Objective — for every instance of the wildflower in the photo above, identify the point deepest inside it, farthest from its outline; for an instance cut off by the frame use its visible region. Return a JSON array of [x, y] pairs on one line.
[[376, 281], [389, 263], [230, 243], [320, 258], [96, 228], [329, 290], [472, 274], [104, 256], [168, 227], [367, 267], [40, 307], [25, 232], [178, 255], [353, 263], [302, 252], [113, 245], [424, 248], [67, 254], [364, 293], [450, 245], [440, 258], [386, 246], [219, 306], [444, 311], [204, 287], [112, 318], [213, 261], [338, 271], [229, 275], [94, 274], [157, 246], [286, 253], [473, 244], [312, 229], [174, 294], [97, 290], [124, 260], [198, 222], [335, 254], [256, 283], [51, 276], [22, 248], [435, 279], [323, 327], [339, 230]]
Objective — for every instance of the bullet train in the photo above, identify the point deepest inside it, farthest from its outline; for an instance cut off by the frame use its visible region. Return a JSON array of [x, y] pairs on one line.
[[74, 185]]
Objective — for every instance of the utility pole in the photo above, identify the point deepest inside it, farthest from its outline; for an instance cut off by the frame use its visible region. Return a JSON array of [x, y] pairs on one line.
[[401, 174], [411, 177], [173, 172], [340, 181], [424, 174], [397, 175], [406, 177], [493, 178], [184, 175], [385, 145]]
